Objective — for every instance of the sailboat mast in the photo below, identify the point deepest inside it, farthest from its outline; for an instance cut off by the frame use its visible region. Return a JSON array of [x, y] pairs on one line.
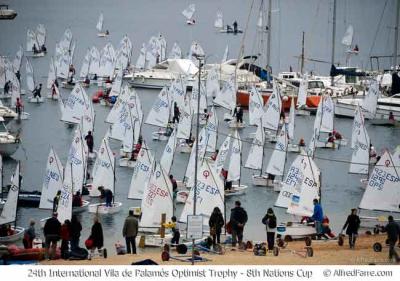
[[333, 39], [269, 33], [302, 55], [19, 186], [396, 33]]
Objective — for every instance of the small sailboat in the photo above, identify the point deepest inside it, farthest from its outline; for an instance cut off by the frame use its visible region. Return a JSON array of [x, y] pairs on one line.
[[176, 52], [9, 212], [302, 97], [188, 14], [104, 175], [35, 42], [289, 124], [255, 157], [271, 119], [32, 87], [219, 21], [99, 27], [159, 115], [360, 144], [54, 93]]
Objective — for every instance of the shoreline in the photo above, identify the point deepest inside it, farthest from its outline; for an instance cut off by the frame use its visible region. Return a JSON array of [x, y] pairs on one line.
[[325, 253]]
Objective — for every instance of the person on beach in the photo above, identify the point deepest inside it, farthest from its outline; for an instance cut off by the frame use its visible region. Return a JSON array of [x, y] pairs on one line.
[[56, 199], [237, 220], [130, 231], [65, 235], [107, 194], [89, 141], [238, 112], [318, 216], [29, 235], [393, 234], [76, 228], [51, 231], [352, 225], [176, 235], [96, 236], [216, 222], [270, 223]]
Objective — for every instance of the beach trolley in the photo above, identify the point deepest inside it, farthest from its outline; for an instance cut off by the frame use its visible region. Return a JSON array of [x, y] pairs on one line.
[[282, 247]]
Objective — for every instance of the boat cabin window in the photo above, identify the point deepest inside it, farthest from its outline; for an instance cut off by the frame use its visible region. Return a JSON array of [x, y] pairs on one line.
[[288, 76], [316, 84]]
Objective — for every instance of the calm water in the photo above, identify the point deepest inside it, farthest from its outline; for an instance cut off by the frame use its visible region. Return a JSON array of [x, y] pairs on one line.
[[142, 19]]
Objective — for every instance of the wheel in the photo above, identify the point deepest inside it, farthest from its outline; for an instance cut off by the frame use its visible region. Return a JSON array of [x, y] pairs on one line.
[[377, 247], [165, 256], [368, 233], [276, 251], [280, 243], [308, 241], [310, 252], [166, 248], [288, 238], [105, 253], [181, 249], [341, 240], [376, 230]]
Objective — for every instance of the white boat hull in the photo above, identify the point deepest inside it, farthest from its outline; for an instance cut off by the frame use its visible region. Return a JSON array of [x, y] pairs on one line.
[[82, 208], [293, 148], [260, 180], [127, 162], [228, 117], [102, 34], [36, 100], [100, 208], [24, 116], [181, 196], [184, 148], [154, 240], [236, 125], [295, 230], [52, 97], [18, 235], [159, 136], [8, 148], [236, 190]]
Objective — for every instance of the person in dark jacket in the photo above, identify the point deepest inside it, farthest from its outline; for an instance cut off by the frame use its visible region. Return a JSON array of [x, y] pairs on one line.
[[393, 233], [238, 112], [177, 113], [37, 91], [76, 229], [237, 220], [107, 194], [352, 224], [56, 199], [52, 230], [130, 231], [29, 235], [96, 236], [89, 141], [176, 235], [270, 223], [216, 222]]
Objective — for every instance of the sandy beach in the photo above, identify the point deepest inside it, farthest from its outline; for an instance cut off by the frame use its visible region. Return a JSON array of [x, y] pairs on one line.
[[325, 252]]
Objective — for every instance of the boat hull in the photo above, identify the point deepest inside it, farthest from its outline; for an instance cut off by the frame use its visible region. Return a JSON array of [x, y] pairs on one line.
[[236, 190], [100, 208], [8, 149], [18, 235], [295, 230]]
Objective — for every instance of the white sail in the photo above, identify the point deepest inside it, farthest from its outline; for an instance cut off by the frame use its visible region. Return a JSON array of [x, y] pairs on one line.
[[15, 89], [371, 100], [168, 154], [87, 119], [290, 125], [94, 67], [347, 39], [189, 11], [382, 191], [302, 203], [75, 106], [190, 169], [52, 76], [107, 61], [212, 83], [74, 173], [194, 98], [328, 114], [176, 52], [222, 154], [114, 113], [185, 121], [212, 129], [225, 56], [177, 90], [41, 35], [141, 173], [103, 170], [31, 41], [53, 180], [30, 82], [256, 106], [64, 208], [260, 19], [219, 21], [123, 125], [141, 61], [18, 59], [116, 87], [302, 93], [227, 96], [210, 194], [196, 51], [129, 139], [85, 64], [276, 164], [360, 157], [272, 111], [63, 65], [160, 111], [235, 160], [358, 122], [157, 199], [99, 25], [256, 153], [292, 183], [9, 212]]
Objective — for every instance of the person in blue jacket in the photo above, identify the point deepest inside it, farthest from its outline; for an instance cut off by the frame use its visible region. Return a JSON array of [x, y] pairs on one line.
[[318, 216]]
